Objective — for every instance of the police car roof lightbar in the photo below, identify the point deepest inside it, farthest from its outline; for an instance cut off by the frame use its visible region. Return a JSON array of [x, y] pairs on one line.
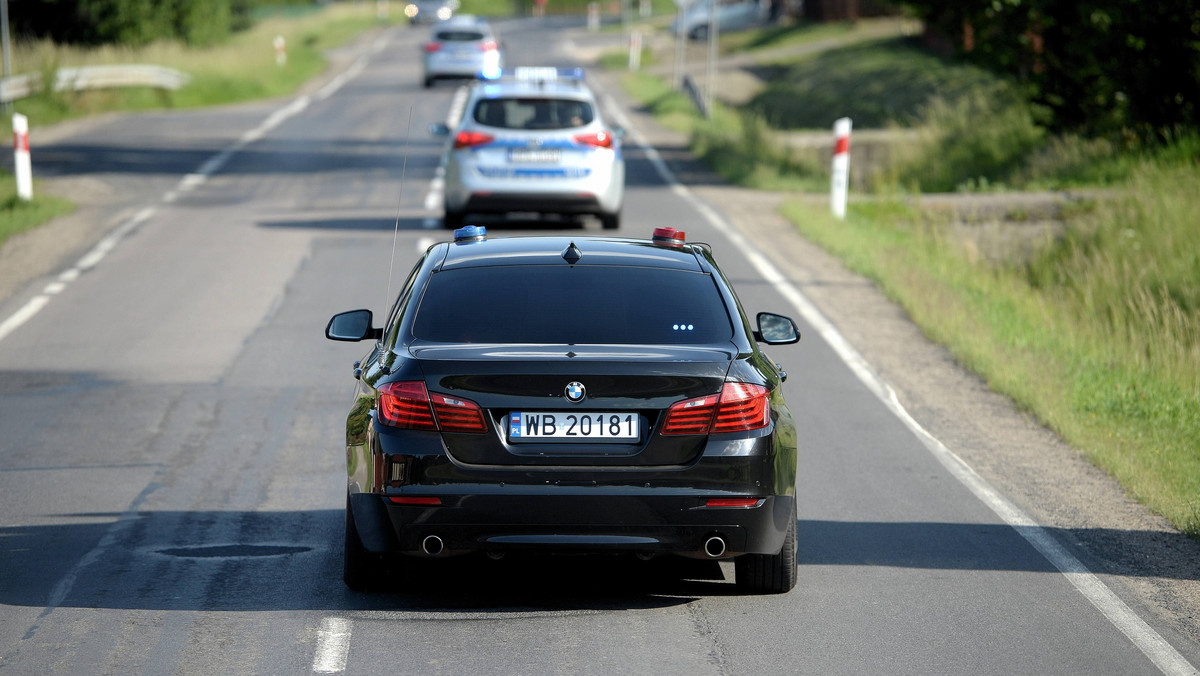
[[542, 73]]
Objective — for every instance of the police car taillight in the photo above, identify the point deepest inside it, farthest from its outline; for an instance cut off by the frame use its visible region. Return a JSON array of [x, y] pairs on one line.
[[669, 237], [470, 139], [600, 139], [431, 47], [488, 46]]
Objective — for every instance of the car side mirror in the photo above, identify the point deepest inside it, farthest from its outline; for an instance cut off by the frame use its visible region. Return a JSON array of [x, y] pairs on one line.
[[352, 326], [776, 329], [439, 129]]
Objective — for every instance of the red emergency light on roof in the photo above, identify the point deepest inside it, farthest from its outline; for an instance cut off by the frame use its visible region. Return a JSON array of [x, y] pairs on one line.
[[669, 236]]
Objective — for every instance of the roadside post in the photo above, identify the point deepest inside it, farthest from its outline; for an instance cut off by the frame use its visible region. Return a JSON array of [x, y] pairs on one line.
[[280, 50], [21, 163], [593, 17], [635, 50], [841, 166]]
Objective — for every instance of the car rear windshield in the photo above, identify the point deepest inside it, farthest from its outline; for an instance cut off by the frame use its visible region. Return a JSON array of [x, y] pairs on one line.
[[459, 36], [534, 113], [576, 305]]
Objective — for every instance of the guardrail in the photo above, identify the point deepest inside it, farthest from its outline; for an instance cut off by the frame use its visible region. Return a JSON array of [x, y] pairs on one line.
[[94, 77]]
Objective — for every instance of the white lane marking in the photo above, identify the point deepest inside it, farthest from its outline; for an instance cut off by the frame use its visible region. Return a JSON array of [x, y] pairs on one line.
[[27, 311], [1141, 634], [333, 646], [186, 184]]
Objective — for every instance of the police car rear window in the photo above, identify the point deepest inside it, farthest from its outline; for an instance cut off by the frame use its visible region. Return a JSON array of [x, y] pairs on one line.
[[534, 113], [577, 305], [459, 36]]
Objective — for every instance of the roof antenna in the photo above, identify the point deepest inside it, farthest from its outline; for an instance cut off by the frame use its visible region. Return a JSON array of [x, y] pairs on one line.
[[399, 200]]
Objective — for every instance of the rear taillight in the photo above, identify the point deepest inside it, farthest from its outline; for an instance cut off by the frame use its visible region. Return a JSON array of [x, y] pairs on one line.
[[431, 47], [470, 139], [739, 407], [600, 139], [692, 416], [743, 407], [458, 415], [407, 405], [488, 46]]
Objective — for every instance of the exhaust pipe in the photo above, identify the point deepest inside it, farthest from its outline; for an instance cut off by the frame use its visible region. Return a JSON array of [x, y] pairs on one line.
[[432, 545], [714, 547]]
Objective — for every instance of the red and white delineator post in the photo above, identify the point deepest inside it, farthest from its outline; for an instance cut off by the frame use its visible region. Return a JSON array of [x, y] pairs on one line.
[[21, 163], [841, 166]]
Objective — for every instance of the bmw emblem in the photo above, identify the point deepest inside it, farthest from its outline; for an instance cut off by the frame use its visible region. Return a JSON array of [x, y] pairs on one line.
[[575, 392]]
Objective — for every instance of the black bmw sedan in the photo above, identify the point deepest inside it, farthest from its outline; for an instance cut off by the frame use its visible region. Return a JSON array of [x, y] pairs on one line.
[[570, 394]]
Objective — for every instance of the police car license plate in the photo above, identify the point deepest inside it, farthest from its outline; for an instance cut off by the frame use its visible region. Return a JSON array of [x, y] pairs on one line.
[[583, 426], [534, 156]]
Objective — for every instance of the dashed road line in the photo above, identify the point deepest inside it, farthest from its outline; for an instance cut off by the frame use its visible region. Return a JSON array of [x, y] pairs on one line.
[[333, 646]]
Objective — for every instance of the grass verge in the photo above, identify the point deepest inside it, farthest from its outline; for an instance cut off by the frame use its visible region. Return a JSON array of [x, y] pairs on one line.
[[241, 69], [17, 215]]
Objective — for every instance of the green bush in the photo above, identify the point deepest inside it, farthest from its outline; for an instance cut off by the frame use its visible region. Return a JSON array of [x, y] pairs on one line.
[[979, 140]]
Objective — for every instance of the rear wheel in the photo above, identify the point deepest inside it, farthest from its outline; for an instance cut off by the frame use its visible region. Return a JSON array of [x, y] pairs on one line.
[[769, 573], [452, 220], [361, 570], [428, 82]]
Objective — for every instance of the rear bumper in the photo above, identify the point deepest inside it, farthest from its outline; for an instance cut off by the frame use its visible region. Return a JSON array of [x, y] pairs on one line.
[[553, 518]]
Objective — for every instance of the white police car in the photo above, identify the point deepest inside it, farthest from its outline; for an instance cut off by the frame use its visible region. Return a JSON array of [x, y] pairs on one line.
[[534, 141], [460, 47]]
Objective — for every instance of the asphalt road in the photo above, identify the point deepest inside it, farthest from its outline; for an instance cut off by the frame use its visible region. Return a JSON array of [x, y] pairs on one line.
[[171, 479]]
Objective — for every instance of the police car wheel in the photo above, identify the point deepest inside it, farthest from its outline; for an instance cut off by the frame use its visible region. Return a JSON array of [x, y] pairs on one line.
[[610, 221]]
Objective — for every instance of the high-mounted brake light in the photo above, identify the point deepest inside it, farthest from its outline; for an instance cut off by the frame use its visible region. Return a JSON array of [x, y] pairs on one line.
[[470, 139], [600, 139], [669, 237], [739, 407], [408, 405]]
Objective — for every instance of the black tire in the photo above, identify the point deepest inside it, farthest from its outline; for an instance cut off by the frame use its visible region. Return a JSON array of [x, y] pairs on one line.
[[610, 221], [361, 570], [452, 220], [428, 82], [769, 573]]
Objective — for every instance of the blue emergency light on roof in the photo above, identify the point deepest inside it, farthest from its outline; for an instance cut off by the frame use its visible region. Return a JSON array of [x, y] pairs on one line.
[[544, 73], [669, 237], [470, 233]]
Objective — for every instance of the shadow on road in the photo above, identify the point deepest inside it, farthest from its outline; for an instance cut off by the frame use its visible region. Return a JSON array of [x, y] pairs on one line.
[[240, 561]]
